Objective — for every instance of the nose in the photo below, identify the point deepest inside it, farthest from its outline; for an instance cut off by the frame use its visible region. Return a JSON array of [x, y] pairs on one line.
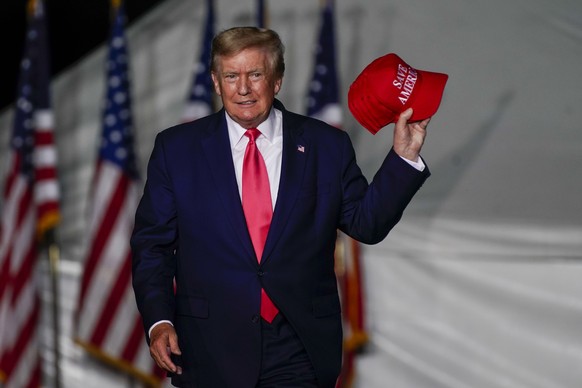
[[243, 86]]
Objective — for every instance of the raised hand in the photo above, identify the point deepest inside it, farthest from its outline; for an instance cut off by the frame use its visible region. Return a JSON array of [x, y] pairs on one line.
[[409, 137]]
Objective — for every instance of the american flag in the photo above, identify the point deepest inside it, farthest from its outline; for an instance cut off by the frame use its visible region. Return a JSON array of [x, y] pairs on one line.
[[30, 209], [262, 13], [323, 103], [200, 97], [107, 322], [323, 96]]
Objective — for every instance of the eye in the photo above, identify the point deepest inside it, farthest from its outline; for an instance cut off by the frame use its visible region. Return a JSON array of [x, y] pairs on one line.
[[229, 77]]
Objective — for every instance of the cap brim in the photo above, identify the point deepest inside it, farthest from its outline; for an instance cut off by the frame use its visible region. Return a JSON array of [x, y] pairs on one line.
[[429, 96]]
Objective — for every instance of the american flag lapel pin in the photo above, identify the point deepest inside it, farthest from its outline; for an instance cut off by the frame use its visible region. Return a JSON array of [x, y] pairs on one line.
[[300, 148]]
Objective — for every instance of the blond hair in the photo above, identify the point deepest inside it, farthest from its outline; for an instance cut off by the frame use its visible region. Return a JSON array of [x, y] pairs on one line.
[[234, 40]]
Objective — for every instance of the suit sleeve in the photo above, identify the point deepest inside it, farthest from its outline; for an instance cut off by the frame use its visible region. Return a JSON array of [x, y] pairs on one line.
[[369, 212], [154, 242]]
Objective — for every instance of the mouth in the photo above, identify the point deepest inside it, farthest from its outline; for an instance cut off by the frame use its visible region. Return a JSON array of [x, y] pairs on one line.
[[246, 103]]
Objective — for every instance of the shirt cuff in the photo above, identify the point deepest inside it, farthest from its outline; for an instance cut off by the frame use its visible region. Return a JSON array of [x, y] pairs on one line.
[[156, 324], [420, 166]]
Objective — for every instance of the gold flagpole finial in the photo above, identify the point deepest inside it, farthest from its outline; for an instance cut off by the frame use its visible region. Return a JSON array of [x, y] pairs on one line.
[[31, 7]]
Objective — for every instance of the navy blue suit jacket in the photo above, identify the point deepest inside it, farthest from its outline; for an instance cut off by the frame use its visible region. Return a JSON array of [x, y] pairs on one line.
[[190, 226]]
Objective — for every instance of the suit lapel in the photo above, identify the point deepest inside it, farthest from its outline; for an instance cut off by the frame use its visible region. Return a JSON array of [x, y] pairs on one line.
[[216, 146], [295, 153]]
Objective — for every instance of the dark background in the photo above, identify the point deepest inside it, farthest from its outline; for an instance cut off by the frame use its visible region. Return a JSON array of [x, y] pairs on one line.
[[75, 28]]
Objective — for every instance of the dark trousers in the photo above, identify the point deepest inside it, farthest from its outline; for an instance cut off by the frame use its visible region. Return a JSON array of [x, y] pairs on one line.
[[284, 362]]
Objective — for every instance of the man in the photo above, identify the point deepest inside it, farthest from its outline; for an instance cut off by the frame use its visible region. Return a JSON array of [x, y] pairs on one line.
[[193, 225]]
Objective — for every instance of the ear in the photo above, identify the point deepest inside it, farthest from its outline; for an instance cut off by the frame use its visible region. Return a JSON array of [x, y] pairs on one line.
[[278, 84], [216, 83]]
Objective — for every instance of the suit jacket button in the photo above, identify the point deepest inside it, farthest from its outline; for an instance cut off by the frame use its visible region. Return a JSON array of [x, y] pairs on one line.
[[260, 273], [255, 318]]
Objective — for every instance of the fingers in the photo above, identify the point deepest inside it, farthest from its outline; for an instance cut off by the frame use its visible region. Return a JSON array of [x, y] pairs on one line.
[[174, 349], [164, 343], [424, 123], [173, 340]]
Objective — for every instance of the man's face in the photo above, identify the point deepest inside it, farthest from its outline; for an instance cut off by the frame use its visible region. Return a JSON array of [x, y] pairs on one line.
[[246, 85]]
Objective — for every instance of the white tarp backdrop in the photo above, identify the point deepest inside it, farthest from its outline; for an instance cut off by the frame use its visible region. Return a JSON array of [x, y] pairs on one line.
[[479, 285]]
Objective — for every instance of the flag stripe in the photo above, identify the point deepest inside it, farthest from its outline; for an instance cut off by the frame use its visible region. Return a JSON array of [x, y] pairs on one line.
[[27, 333], [45, 120], [27, 371], [103, 233], [12, 215], [23, 273], [45, 194], [45, 155], [23, 241], [110, 307], [14, 168], [20, 306], [134, 341], [121, 326], [46, 177]]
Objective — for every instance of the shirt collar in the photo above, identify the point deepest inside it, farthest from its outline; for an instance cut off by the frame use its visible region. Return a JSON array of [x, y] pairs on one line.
[[268, 128]]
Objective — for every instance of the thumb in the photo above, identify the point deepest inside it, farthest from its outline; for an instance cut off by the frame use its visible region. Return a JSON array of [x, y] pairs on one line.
[[406, 115]]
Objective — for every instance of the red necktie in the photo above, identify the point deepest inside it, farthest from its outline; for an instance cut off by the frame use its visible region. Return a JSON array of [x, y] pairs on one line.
[[256, 201]]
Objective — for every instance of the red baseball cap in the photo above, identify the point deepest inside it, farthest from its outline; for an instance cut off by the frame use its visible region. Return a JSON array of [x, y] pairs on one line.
[[388, 86]]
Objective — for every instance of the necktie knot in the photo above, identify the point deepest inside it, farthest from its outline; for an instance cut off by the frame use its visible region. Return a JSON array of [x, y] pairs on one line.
[[252, 134]]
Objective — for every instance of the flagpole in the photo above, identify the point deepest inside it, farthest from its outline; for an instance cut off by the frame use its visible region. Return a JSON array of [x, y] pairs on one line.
[[54, 258], [131, 381], [48, 216]]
